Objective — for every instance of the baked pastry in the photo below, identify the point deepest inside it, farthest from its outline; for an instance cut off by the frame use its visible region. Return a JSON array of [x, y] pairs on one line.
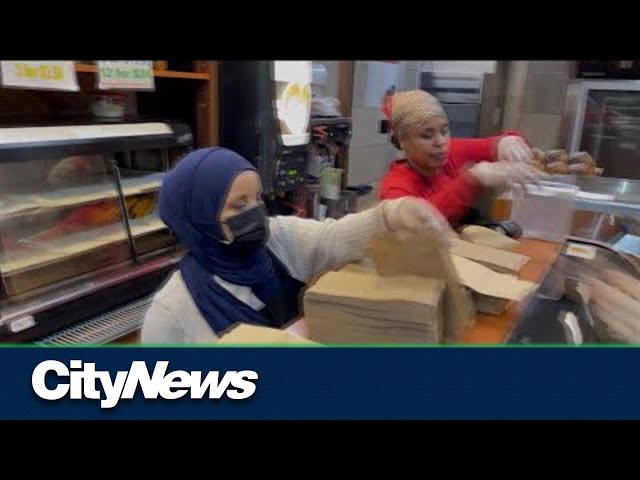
[[581, 157], [558, 168], [553, 156], [581, 169], [539, 166], [538, 155]]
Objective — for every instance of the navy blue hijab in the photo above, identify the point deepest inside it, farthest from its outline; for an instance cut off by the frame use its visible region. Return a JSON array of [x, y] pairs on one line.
[[192, 196]]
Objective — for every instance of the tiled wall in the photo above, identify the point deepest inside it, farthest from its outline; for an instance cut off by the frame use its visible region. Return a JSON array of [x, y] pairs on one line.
[[535, 100]]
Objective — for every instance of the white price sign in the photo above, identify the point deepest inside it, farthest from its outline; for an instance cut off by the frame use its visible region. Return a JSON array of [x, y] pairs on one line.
[[39, 74], [125, 75]]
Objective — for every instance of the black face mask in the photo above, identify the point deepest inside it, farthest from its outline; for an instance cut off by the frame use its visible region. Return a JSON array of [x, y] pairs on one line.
[[250, 229]]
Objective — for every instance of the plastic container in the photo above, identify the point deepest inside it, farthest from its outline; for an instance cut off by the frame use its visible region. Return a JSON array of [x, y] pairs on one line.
[[331, 183], [335, 208], [544, 211], [110, 105]]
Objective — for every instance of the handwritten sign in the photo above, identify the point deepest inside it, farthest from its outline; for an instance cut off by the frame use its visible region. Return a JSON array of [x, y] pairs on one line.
[[125, 75], [45, 75]]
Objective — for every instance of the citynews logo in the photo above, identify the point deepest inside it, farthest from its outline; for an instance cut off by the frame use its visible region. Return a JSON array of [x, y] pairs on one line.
[[82, 381]]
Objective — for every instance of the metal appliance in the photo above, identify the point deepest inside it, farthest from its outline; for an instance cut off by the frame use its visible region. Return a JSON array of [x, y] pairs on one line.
[[329, 148], [460, 95]]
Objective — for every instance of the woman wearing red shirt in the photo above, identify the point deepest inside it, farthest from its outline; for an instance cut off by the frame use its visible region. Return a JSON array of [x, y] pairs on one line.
[[449, 173]]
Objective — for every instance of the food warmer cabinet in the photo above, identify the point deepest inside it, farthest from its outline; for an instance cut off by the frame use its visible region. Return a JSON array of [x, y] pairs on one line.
[[82, 248]]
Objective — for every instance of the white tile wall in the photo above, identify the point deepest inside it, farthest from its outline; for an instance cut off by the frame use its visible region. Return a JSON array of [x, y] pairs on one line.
[[390, 75], [366, 127], [360, 75], [374, 88], [367, 164]]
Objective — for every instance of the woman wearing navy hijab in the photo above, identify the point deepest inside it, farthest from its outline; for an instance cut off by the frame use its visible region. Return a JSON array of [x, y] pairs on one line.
[[243, 266]]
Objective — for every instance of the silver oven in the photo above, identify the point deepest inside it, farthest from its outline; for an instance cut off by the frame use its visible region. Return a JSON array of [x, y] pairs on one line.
[[460, 95]]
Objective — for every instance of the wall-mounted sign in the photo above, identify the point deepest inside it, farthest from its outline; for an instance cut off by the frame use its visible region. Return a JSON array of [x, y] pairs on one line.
[[125, 75], [39, 74]]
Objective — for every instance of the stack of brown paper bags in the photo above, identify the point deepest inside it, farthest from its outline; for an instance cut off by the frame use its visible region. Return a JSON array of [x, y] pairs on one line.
[[356, 305], [406, 291]]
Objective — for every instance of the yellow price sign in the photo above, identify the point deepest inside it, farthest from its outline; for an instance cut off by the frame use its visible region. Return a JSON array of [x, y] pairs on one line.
[[56, 75]]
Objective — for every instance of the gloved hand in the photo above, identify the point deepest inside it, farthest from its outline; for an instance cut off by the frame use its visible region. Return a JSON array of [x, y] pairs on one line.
[[616, 302], [410, 215], [504, 174], [514, 149]]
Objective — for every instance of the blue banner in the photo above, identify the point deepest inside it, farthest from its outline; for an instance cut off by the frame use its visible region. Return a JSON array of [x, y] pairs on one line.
[[319, 383]]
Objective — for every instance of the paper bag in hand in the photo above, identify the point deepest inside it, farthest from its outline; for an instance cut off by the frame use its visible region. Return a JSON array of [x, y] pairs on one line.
[[423, 256]]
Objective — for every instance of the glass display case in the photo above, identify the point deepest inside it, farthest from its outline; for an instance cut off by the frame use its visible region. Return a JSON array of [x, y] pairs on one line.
[[79, 230], [602, 245], [563, 310], [602, 117]]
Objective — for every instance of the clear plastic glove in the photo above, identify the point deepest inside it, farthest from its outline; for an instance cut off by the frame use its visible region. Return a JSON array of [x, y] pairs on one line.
[[504, 174], [616, 302], [409, 215], [514, 149]]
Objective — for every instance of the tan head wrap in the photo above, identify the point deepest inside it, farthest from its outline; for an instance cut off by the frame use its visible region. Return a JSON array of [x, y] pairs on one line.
[[411, 109]]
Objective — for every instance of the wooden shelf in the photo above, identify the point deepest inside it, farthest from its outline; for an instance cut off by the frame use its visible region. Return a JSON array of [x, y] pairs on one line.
[[84, 68]]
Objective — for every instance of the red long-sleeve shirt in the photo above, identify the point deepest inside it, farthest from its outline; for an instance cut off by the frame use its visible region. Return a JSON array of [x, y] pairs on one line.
[[450, 190]]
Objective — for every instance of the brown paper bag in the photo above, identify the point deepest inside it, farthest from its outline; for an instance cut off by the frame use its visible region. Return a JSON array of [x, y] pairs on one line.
[[492, 291], [244, 334], [356, 305], [493, 258], [423, 256], [489, 238]]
